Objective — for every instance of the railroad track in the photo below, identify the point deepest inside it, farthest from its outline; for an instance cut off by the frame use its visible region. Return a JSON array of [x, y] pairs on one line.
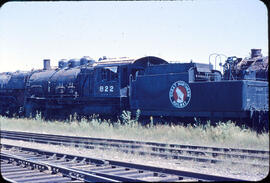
[[174, 151], [20, 164]]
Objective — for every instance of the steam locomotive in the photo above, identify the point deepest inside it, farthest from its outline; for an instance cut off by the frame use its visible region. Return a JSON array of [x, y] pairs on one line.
[[154, 86]]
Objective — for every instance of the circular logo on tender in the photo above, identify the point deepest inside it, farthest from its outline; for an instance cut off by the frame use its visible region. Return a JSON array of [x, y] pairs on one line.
[[180, 94]]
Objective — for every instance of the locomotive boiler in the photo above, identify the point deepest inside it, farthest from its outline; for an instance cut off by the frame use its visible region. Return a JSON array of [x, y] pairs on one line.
[[84, 87]]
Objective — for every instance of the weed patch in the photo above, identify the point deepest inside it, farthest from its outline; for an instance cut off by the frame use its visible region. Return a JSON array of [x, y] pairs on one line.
[[224, 134]]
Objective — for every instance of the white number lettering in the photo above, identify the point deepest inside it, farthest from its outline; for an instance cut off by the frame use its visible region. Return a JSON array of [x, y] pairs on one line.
[[111, 88], [101, 88], [106, 88]]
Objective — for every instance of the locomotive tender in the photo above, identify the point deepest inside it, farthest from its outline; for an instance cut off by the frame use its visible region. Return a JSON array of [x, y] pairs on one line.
[[150, 84]]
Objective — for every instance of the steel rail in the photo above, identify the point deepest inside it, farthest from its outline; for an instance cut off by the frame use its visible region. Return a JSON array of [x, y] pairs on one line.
[[67, 172], [126, 146], [138, 143], [98, 169]]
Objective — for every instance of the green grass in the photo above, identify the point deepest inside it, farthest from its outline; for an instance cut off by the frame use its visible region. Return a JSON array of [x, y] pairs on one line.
[[224, 134]]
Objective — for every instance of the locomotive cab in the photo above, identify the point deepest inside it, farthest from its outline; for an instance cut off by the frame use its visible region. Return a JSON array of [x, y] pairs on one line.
[[107, 82]]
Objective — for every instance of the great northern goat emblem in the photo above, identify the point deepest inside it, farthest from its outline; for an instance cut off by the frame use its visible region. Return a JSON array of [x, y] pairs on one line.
[[180, 94]]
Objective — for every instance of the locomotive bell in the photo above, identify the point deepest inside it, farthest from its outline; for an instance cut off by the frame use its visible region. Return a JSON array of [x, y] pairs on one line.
[[46, 64]]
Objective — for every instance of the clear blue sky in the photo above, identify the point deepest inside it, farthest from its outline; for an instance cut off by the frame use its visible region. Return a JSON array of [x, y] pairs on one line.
[[172, 30]]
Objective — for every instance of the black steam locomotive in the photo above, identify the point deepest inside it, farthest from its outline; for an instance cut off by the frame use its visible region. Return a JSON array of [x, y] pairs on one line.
[[152, 85]]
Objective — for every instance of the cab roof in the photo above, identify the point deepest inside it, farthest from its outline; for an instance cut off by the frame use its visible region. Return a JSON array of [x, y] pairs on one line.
[[144, 61]]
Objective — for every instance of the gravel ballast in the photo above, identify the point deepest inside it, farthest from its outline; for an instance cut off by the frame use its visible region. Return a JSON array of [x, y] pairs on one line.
[[246, 172]]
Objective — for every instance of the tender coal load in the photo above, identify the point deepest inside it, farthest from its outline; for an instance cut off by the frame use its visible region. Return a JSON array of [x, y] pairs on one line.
[[256, 63], [254, 67]]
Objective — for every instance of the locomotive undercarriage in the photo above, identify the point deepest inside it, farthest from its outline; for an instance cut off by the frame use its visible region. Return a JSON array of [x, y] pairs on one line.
[[64, 108], [11, 103]]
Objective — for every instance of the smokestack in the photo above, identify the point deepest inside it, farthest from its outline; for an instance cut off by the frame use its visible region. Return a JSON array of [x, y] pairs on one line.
[[256, 53], [46, 64]]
